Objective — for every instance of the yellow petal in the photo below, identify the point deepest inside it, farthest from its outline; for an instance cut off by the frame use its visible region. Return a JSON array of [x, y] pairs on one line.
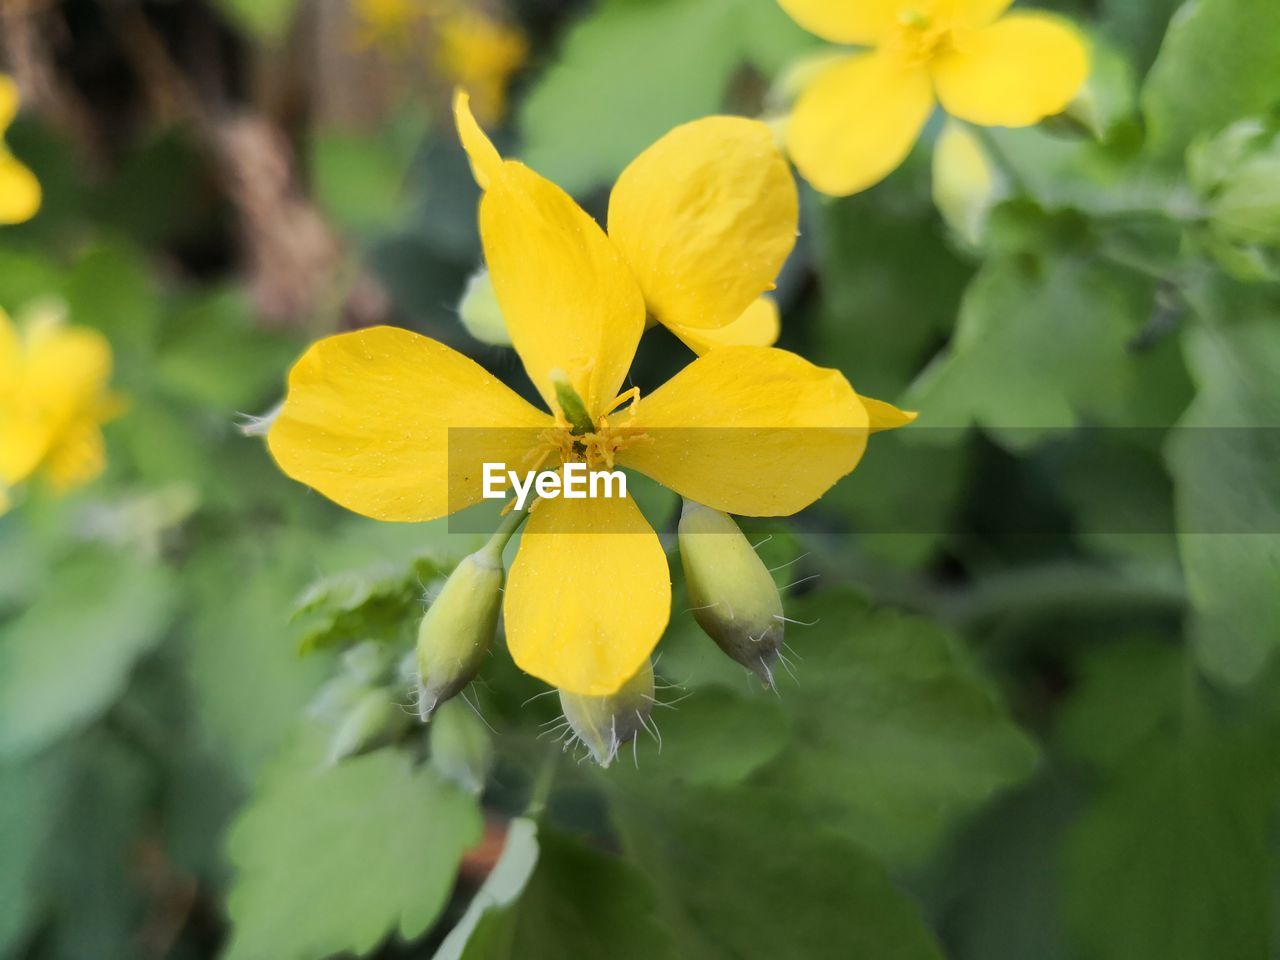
[[858, 121], [8, 101], [589, 594], [66, 371], [78, 457], [25, 440], [849, 21], [572, 306], [367, 422], [885, 416], [979, 13], [483, 155], [19, 190], [758, 326], [705, 218], [750, 430], [1014, 73]]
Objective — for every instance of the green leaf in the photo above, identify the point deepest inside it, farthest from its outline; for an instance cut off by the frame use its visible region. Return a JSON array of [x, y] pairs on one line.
[[384, 602], [577, 902], [895, 736], [486, 928], [632, 70], [247, 683], [1172, 860], [1218, 64], [67, 657], [711, 737], [1043, 345], [360, 180], [334, 860], [740, 874], [26, 804], [1224, 459]]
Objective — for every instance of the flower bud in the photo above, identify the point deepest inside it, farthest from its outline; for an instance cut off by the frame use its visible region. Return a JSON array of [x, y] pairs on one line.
[[459, 626], [461, 746], [480, 313], [374, 717], [732, 593], [965, 182], [605, 723]]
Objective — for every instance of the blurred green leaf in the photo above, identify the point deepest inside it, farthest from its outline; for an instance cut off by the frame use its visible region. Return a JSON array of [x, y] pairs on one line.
[[1046, 346], [248, 685], [577, 902], [1172, 861], [895, 736], [711, 737], [1223, 457], [266, 19], [68, 656], [739, 874], [26, 819], [1217, 65], [632, 70], [360, 180], [336, 859]]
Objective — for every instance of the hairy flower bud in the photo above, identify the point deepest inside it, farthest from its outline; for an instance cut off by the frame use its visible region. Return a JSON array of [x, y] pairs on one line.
[[732, 593], [375, 717], [605, 723], [461, 746], [458, 628], [480, 313]]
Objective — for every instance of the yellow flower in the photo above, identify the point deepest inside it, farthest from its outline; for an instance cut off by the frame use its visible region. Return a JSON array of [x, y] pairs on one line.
[[53, 401], [396, 426], [19, 188], [481, 54], [859, 118]]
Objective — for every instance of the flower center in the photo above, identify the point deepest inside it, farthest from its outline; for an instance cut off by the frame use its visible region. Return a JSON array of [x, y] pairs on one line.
[[577, 439], [920, 36]]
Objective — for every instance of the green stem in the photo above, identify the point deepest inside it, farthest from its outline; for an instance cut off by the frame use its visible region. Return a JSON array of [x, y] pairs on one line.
[[543, 782], [502, 536]]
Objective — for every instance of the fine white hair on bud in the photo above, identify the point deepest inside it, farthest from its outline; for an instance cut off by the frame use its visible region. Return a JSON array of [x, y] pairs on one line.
[[732, 593], [604, 724], [458, 629]]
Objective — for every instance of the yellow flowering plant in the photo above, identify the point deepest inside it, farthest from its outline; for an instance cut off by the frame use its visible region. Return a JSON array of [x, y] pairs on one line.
[[19, 188], [54, 398], [858, 116], [395, 426]]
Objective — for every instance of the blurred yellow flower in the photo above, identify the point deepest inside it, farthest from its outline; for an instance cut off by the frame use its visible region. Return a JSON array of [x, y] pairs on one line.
[[481, 54], [19, 188], [857, 120], [389, 22], [378, 419], [54, 398]]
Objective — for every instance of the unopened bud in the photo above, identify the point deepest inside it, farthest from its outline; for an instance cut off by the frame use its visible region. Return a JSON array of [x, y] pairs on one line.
[[480, 313], [604, 724], [965, 182], [461, 746], [732, 593], [374, 718], [458, 628]]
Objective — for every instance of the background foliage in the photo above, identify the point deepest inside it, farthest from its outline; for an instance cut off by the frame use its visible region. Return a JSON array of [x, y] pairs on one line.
[[1034, 711]]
